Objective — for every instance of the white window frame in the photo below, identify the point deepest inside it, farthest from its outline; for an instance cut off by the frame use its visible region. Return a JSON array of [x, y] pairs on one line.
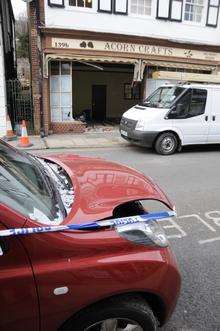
[[60, 95], [141, 15], [203, 19]]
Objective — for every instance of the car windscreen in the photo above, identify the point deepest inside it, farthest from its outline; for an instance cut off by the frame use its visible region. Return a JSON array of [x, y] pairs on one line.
[[163, 97], [26, 187]]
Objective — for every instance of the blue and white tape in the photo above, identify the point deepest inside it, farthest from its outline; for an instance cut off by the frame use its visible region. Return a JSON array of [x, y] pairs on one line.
[[89, 226]]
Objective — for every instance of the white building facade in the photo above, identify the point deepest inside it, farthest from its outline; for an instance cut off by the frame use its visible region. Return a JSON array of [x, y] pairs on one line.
[[102, 56], [7, 59]]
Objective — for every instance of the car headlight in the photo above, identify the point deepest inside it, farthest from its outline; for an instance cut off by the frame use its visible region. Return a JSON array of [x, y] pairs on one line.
[[149, 234], [140, 125]]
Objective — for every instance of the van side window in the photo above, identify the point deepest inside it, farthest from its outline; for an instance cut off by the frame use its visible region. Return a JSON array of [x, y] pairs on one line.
[[198, 102], [183, 106], [191, 104]]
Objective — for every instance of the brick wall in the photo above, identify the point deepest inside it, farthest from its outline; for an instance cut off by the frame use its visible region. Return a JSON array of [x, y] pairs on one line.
[[36, 74], [41, 95], [65, 127], [35, 65]]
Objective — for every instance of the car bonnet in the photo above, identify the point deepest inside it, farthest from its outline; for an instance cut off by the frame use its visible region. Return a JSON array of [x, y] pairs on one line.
[[100, 186]]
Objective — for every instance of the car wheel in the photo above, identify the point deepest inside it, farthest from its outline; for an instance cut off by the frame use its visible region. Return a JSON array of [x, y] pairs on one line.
[[125, 313], [166, 143]]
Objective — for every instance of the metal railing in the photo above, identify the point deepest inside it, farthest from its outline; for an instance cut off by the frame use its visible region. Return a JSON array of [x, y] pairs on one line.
[[20, 105]]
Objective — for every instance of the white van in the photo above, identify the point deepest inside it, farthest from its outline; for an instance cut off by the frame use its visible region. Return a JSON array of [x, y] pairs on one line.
[[174, 116]]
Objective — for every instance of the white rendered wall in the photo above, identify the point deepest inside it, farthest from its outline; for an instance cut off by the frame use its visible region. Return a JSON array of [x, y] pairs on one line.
[[91, 20], [2, 90]]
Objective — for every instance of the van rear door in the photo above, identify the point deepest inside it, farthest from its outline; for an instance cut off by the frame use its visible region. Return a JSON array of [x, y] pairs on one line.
[[214, 117]]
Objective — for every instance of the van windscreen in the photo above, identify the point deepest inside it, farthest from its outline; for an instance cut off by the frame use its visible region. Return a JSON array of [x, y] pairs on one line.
[[163, 97]]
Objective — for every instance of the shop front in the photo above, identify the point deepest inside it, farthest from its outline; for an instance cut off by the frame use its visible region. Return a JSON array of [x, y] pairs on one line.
[[95, 92], [95, 81]]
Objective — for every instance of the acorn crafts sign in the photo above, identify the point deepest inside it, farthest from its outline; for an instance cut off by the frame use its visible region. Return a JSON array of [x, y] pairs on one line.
[[131, 48]]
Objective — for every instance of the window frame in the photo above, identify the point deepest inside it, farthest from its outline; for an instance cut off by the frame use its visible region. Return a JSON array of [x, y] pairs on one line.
[[118, 12], [130, 86], [169, 16], [51, 4], [202, 22], [207, 17], [60, 93], [113, 8], [132, 92], [170, 11], [162, 17], [106, 11], [82, 9], [141, 15]]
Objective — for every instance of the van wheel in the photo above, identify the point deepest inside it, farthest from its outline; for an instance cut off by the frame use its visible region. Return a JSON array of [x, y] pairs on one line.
[[166, 143], [120, 313]]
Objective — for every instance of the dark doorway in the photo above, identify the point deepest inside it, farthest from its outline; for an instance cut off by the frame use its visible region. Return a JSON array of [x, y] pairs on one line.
[[99, 103]]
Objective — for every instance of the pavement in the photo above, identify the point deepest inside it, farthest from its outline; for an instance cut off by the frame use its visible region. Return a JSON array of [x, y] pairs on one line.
[[71, 140]]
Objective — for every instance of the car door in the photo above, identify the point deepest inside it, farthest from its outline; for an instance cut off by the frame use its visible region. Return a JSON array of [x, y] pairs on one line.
[[214, 118], [191, 117], [18, 295]]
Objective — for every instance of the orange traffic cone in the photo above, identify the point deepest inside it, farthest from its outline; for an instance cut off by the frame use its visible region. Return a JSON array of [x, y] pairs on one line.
[[9, 132], [24, 139]]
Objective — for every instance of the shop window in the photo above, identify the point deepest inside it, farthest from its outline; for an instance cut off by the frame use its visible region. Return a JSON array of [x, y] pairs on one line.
[[55, 68], [81, 3], [61, 91], [128, 92], [194, 10], [141, 7], [213, 13], [132, 92]]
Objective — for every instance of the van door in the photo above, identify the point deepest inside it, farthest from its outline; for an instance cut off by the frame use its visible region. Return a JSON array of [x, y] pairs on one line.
[[214, 118], [190, 117]]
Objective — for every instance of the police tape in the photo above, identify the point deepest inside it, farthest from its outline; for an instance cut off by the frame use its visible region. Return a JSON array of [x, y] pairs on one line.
[[90, 226]]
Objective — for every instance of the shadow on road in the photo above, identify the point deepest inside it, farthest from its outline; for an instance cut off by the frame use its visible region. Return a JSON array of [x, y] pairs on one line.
[[185, 149]]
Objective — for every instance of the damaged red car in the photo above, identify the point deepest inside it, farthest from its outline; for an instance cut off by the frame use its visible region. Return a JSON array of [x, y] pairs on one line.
[[123, 278]]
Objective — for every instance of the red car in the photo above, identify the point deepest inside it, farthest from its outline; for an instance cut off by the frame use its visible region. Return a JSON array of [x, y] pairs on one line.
[[80, 281]]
